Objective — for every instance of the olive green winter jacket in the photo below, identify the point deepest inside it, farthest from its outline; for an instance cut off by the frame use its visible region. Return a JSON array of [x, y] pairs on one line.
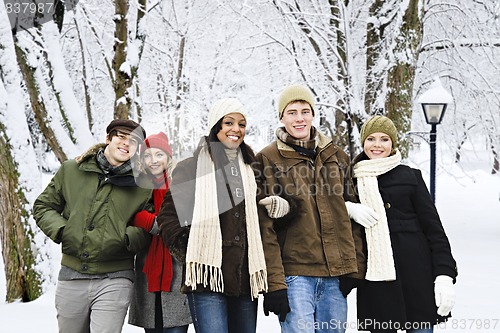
[[89, 215]]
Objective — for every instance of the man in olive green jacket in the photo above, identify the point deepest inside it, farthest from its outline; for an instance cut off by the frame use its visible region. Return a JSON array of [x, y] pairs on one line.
[[86, 208], [306, 255]]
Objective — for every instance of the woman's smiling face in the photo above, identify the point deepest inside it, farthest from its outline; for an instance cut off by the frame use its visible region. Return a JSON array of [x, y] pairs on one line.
[[233, 129], [156, 161], [377, 145]]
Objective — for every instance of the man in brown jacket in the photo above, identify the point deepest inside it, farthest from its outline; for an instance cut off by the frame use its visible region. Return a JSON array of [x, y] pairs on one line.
[[306, 255]]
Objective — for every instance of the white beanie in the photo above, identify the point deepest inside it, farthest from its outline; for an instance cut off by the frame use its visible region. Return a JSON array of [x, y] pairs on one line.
[[223, 107]]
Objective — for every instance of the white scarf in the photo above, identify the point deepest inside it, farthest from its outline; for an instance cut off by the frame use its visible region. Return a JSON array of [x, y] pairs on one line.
[[380, 256], [204, 251]]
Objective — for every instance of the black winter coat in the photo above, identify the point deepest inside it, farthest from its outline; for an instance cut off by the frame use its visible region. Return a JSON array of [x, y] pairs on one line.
[[421, 252]]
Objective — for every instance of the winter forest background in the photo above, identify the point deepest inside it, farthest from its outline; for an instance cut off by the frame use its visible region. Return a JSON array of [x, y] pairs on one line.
[[164, 62]]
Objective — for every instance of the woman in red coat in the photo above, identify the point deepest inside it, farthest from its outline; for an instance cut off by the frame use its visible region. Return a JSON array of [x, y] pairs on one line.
[[157, 304], [410, 268]]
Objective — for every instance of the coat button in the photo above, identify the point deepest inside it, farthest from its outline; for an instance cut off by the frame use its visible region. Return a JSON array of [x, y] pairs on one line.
[[85, 254], [90, 227], [387, 205], [237, 238], [236, 214], [85, 267]]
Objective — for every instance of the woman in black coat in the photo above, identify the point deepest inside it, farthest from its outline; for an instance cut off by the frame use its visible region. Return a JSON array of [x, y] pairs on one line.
[[411, 271]]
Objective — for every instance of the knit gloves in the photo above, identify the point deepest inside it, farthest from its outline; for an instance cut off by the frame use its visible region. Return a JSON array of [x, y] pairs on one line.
[[277, 303], [276, 206], [362, 214], [444, 294]]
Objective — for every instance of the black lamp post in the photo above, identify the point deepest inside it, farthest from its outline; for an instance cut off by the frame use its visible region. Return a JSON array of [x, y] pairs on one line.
[[434, 102]]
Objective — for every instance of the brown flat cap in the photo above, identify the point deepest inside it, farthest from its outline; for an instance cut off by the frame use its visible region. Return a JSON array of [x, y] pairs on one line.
[[127, 126]]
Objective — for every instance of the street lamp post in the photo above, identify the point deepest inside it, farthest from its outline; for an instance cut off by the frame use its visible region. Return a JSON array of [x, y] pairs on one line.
[[434, 102]]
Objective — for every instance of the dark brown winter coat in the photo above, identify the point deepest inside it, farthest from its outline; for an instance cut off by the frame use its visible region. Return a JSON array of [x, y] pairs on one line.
[[319, 241], [421, 252], [178, 209]]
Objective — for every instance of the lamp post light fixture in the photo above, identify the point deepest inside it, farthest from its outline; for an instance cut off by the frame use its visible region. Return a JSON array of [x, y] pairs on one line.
[[434, 102]]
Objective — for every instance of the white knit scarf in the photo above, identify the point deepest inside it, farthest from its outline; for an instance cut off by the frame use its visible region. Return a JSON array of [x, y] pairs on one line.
[[204, 251], [380, 256]]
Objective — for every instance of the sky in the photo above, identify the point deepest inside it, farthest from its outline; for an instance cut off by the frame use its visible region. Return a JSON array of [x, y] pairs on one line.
[[468, 200]]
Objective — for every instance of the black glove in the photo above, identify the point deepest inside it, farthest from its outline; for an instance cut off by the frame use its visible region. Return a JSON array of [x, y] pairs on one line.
[[347, 284], [277, 303]]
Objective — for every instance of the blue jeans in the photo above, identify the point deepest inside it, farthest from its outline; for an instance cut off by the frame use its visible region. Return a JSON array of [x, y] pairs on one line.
[[214, 312], [178, 329], [317, 305]]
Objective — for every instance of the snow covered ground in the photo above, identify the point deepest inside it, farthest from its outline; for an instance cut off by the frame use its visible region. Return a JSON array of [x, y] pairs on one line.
[[469, 204]]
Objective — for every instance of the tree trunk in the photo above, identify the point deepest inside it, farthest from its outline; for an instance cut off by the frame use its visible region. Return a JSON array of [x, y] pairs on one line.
[[23, 282], [374, 73], [38, 106], [122, 77], [88, 104], [399, 102], [496, 162], [496, 156], [140, 36], [180, 88], [343, 115]]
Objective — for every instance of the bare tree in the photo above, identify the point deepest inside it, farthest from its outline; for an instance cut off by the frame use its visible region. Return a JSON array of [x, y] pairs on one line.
[[384, 65]]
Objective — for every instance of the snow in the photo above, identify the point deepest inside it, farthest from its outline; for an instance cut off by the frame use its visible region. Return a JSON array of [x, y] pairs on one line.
[[63, 85], [468, 200], [216, 63], [436, 94]]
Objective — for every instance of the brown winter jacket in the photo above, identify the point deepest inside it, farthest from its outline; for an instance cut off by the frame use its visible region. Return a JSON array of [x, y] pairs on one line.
[[178, 208], [320, 240]]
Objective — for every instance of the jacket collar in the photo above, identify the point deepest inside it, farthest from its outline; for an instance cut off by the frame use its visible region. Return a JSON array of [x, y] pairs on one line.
[[91, 152], [323, 143]]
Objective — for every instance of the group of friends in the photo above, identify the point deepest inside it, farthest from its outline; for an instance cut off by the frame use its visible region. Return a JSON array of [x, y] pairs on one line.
[[198, 242]]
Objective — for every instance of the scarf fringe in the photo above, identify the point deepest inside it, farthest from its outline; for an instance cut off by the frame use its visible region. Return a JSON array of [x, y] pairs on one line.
[[258, 282], [203, 274]]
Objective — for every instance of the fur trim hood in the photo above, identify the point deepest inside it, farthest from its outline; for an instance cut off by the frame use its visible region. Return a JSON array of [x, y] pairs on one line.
[[92, 151]]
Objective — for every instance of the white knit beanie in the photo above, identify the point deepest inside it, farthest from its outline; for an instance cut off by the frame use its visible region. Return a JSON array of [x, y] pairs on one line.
[[223, 107]]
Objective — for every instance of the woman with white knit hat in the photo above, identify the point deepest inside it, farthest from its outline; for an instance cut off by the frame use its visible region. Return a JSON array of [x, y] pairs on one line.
[[209, 221], [410, 268]]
